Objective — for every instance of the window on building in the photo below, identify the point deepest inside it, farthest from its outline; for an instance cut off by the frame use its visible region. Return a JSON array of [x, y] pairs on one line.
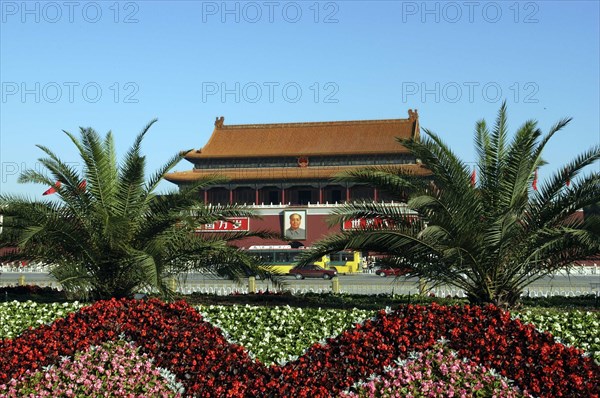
[[304, 197], [334, 194], [269, 195], [244, 195], [218, 196], [361, 192]]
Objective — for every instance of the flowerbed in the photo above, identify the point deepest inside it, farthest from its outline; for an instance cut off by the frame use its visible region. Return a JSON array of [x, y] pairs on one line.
[[575, 328], [436, 373], [17, 316], [207, 365], [278, 334], [115, 366], [292, 330]]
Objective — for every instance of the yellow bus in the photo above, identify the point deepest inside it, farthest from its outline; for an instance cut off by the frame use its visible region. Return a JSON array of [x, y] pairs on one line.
[[346, 262], [281, 259]]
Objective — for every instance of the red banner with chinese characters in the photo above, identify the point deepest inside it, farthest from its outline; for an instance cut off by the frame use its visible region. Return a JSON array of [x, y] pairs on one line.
[[374, 222], [232, 224], [362, 223]]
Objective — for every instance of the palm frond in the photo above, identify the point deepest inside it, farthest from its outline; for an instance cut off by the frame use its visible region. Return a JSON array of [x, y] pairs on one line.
[[116, 236], [492, 239]]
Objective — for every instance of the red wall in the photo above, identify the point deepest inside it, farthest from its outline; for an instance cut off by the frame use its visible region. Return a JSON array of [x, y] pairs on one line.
[[316, 228]]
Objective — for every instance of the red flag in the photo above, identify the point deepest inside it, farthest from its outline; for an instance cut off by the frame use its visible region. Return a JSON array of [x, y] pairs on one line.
[[52, 189], [473, 177], [535, 178]]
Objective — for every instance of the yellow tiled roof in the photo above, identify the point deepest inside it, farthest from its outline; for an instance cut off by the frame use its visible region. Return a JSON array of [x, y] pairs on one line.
[[307, 139]]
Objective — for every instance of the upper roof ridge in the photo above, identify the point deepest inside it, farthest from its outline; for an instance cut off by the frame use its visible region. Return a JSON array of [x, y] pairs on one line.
[[220, 123], [310, 124]]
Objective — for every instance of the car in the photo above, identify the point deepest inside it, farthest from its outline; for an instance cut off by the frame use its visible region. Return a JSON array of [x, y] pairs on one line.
[[388, 271], [312, 271]]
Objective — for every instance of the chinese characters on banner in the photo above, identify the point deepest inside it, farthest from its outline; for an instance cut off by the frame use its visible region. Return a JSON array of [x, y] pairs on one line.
[[232, 224], [362, 223], [375, 222]]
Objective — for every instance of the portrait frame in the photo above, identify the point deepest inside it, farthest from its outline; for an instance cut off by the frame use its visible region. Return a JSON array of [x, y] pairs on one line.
[[286, 233]]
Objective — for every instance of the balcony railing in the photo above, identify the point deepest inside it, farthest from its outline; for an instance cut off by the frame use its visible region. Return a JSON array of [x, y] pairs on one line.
[[316, 204]]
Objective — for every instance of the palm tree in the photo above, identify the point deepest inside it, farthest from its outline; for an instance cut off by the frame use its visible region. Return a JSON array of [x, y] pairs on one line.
[[110, 234], [491, 239]]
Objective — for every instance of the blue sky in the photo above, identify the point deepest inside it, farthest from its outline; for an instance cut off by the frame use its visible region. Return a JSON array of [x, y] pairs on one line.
[[117, 65]]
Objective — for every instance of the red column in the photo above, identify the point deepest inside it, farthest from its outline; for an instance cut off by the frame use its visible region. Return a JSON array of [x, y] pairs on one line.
[[206, 196], [256, 196], [320, 195], [231, 196], [282, 195], [347, 194], [375, 194]]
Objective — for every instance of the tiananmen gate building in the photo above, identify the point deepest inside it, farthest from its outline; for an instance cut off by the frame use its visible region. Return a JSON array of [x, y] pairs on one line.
[[285, 170]]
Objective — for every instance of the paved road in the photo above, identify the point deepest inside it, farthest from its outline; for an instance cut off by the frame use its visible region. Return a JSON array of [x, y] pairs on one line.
[[358, 283]]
